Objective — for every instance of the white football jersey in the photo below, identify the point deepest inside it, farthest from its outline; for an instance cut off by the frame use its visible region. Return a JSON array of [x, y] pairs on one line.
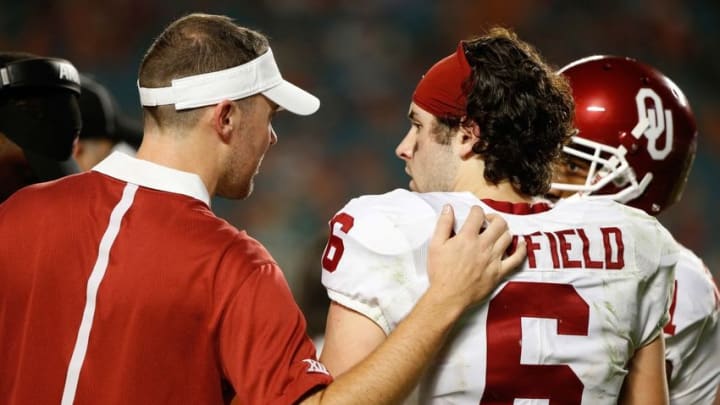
[[692, 337], [595, 287]]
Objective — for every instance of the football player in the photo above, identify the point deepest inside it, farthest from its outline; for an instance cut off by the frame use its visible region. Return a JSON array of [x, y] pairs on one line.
[[635, 144], [581, 323]]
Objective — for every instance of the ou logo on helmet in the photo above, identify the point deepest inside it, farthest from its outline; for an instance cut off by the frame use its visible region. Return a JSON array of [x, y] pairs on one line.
[[652, 122]]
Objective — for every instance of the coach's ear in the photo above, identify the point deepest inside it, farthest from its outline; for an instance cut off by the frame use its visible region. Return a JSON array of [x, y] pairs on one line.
[[468, 135], [225, 117]]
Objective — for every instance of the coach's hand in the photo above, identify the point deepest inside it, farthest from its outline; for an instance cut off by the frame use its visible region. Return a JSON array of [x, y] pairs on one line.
[[465, 268]]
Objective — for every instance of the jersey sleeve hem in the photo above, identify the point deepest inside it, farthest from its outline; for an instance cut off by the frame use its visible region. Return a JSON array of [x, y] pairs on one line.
[[370, 312]]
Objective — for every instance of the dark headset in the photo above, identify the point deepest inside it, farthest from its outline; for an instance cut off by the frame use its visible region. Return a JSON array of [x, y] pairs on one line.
[[39, 105], [39, 112], [39, 73]]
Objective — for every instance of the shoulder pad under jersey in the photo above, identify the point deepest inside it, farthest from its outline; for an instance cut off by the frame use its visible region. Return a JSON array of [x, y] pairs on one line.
[[390, 223]]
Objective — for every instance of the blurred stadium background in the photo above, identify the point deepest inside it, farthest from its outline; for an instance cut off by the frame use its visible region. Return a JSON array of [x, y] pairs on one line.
[[363, 58]]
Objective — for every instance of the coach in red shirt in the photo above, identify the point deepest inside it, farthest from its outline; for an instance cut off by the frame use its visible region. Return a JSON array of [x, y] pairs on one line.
[[120, 286]]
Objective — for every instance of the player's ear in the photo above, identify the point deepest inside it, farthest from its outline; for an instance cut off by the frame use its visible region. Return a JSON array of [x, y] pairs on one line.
[[469, 135]]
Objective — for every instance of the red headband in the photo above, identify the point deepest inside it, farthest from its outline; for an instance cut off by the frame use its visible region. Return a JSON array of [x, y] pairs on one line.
[[440, 91]]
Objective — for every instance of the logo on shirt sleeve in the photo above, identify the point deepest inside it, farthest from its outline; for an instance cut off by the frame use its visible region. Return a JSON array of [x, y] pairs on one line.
[[315, 366]]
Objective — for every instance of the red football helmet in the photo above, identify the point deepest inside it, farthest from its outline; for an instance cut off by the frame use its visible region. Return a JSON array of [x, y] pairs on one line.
[[636, 130]]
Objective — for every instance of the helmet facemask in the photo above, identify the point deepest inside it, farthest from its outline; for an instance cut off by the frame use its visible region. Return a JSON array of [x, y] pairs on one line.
[[607, 169]]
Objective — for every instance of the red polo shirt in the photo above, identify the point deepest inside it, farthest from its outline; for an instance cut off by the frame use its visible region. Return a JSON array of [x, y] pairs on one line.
[[120, 286]]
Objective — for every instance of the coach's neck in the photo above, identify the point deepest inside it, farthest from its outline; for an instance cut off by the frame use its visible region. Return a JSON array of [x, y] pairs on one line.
[[194, 150]]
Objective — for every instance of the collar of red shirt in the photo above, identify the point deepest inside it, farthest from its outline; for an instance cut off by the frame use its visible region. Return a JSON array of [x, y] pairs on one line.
[[152, 175]]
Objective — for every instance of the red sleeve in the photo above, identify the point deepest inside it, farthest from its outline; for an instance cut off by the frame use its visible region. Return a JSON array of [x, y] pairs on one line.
[[263, 345]]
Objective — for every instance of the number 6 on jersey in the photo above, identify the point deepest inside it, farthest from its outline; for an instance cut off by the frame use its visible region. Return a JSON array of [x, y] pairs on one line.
[[335, 247]]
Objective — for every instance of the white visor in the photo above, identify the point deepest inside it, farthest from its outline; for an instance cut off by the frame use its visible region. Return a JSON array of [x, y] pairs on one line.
[[259, 76]]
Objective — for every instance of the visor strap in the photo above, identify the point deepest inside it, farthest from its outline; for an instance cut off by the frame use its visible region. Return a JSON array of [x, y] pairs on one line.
[[248, 79]]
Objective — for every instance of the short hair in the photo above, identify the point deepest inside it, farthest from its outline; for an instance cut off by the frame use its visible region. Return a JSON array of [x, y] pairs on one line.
[[524, 110], [191, 45]]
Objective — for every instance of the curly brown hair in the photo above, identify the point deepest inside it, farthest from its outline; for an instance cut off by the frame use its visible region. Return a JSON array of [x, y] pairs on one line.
[[524, 110]]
